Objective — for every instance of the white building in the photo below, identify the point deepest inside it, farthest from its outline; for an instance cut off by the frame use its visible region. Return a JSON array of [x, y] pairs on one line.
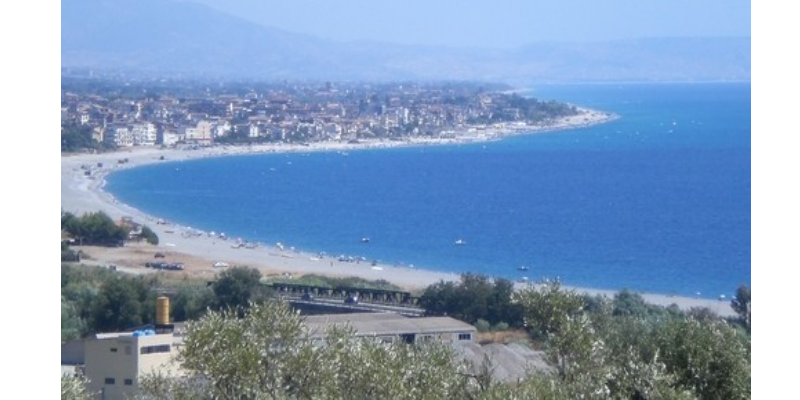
[[202, 133], [144, 134], [115, 362], [118, 135]]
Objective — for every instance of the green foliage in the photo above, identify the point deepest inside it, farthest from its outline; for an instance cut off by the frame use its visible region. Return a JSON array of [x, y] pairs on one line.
[[474, 297], [548, 307], [707, 356], [500, 326], [267, 353], [337, 282], [123, 303], [94, 229], [237, 287], [241, 357], [72, 325], [523, 108], [597, 352], [79, 288], [483, 325], [72, 275], [76, 138], [703, 314], [96, 299], [624, 348], [576, 350], [69, 255], [627, 303], [74, 388], [741, 304], [149, 236], [191, 302]]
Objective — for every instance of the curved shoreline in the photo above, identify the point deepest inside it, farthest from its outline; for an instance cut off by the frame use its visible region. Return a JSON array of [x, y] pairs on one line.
[[81, 194]]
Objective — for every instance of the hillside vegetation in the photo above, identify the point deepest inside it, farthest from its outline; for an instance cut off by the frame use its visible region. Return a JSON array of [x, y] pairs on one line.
[[599, 348]]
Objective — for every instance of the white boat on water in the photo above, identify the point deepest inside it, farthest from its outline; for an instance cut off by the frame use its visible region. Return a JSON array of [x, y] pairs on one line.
[[523, 268], [460, 242]]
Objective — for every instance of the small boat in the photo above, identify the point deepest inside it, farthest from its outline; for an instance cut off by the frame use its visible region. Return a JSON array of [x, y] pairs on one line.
[[365, 240], [460, 242], [523, 268]]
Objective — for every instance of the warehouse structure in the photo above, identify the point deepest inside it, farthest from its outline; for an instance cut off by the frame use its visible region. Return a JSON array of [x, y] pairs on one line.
[[114, 362]]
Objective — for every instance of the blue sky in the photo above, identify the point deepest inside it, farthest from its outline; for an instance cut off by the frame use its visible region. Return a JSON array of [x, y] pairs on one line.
[[496, 23]]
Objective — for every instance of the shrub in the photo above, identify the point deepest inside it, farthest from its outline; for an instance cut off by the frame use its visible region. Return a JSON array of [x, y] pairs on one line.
[[482, 325]]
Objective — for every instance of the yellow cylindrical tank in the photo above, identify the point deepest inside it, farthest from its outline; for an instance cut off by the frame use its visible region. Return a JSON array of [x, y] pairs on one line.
[[162, 310]]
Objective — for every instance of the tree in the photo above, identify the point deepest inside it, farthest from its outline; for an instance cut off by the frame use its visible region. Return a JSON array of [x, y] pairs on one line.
[[76, 138], [547, 307], [70, 255], [268, 353], [123, 303], [72, 325], [741, 304], [237, 287], [69, 222], [710, 357], [638, 355], [80, 286], [94, 228], [74, 388], [191, 302], [475, 297], [149, 235], [264, 351], [630, 304]]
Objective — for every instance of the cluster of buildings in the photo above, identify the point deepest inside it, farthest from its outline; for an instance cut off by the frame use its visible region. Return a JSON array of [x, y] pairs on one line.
[[292, 113]]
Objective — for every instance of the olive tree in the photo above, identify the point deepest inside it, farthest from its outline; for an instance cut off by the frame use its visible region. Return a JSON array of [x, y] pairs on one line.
[[74, 388], [741, 304], [710, 357], [237, 287], [547, 306], [267, 352]]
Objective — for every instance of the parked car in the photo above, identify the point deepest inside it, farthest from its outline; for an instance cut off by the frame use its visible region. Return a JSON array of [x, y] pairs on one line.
[[159, 255], [174, 267], [308, 296], [351, 300]]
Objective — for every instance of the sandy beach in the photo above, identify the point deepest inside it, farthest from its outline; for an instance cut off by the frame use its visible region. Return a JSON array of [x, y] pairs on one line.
[[82, 181]]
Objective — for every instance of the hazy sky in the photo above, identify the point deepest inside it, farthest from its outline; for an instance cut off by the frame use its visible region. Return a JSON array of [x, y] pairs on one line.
[[495, 23]]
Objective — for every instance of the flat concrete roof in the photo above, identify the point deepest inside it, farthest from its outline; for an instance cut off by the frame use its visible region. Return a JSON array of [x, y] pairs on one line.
[[378, 324]]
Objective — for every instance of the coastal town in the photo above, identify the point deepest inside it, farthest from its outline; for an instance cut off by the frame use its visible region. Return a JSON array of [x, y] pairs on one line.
[[396, 200], [113, 353], [122, 114]]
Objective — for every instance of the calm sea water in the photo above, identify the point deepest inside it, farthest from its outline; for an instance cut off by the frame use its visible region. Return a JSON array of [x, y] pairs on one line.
[[656, 201]]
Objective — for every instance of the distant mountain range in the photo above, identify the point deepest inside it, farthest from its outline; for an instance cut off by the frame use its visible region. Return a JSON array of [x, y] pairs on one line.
[[189, 39]]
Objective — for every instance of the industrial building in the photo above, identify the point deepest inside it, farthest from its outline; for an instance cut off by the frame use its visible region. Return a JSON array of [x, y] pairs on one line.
[[114, 362], [391, 327]]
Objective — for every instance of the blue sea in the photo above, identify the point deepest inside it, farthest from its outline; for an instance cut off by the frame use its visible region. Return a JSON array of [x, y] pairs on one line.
[[656, 201]]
